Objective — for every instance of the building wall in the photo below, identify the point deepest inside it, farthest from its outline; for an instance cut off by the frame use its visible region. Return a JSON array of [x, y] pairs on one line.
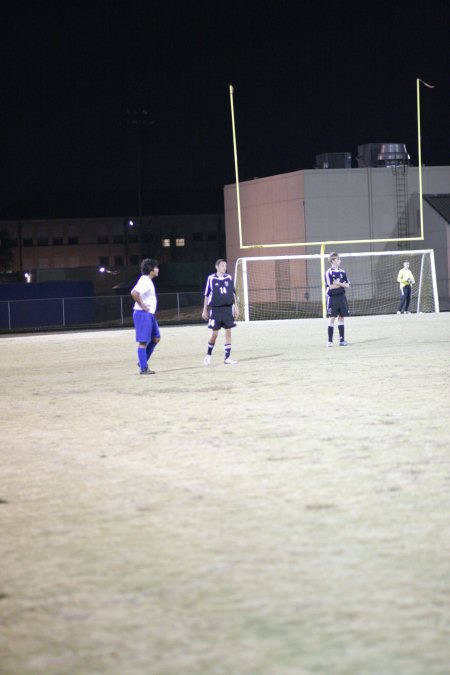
[[272, 211], [113, 242]]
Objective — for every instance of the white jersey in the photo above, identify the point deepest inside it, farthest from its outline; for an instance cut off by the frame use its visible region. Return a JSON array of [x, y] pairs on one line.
[[146, 289]]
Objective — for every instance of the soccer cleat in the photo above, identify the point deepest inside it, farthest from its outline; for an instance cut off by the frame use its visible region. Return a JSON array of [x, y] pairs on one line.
[[147, 371], [207, 360], [229, 361], [329, 344], [398, 312], [343, 343]]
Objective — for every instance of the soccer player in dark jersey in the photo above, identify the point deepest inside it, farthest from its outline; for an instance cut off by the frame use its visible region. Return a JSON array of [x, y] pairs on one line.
[[336, 282], [220, 309]]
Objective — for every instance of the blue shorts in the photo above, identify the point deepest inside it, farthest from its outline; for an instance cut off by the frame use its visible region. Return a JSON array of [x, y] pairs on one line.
[[146, 326]]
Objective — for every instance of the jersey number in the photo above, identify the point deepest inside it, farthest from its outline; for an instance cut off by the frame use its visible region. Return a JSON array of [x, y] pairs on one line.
[[223, 290]]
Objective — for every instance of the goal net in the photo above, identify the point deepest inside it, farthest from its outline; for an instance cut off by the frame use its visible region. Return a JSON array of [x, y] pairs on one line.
[[291, 287]]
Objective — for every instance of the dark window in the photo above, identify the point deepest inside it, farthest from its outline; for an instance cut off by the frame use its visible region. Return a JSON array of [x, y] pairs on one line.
[[197, 236], [212, 236], [147, 237], [58, 241], [42, 241], [134, 260], [72, 241], [118, 238], [102, 239], [27, 242], [118, 260], [14, 242], [103, 261], [134, 238]]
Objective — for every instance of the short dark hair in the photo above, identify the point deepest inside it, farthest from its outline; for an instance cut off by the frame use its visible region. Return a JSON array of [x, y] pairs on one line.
[[219, 261], [332, 256], [148, 264]]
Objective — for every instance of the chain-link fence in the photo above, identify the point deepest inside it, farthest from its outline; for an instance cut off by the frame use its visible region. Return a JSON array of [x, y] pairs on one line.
[[95, 312]]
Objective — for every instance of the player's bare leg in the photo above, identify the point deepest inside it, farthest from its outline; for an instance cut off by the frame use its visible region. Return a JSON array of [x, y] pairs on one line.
[[330, 331], [211, 343], [228, 360]]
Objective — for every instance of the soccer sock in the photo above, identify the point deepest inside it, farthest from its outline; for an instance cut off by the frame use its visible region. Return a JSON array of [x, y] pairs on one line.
[[150, 348], [341, 331], [142, 357], [227, 351], [210, 348], [330, 333]]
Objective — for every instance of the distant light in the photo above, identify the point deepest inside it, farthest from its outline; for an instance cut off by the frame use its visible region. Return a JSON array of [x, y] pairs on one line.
[[106, 270], [131, 223], [27, 276]]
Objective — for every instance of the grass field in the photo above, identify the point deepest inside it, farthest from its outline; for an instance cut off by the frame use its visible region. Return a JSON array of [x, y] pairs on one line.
[[287, 515]]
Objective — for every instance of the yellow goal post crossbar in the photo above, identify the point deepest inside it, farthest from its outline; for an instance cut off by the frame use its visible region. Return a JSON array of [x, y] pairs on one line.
[[322, 244]]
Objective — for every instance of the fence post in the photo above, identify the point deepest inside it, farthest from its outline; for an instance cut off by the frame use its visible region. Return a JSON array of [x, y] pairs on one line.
[[121, 308], [9, 315], [178, 305], [63, 312]]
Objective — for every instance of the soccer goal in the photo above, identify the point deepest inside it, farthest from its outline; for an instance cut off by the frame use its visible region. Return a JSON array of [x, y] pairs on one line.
[[291, 287]]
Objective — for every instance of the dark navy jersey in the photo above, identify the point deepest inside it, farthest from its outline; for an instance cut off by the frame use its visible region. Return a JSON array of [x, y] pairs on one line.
[[220, 290], [330, 276]]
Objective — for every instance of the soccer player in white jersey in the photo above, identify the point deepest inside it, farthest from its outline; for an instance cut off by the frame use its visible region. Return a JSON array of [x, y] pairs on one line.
[[406, 279], [220, 309], [336, 282], [147, 329]]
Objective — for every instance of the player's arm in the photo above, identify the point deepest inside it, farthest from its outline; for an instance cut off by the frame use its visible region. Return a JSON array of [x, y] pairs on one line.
[[205, 308], [235, 306], [137, 298], [329, 281], [340, 284], [207, 294]]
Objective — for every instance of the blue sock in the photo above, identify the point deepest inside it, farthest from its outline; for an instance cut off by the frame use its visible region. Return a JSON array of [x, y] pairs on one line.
[[142, 357], [150, 348]]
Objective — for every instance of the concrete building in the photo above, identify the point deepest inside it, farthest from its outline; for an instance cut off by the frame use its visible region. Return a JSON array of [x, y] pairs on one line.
[[314, 206], [184, 240]]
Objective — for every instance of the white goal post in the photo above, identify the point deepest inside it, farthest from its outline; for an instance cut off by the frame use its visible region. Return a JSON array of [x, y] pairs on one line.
[[289, 287]]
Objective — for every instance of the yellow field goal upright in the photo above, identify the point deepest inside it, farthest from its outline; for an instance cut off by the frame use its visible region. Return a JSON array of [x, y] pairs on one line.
[[291, 287]]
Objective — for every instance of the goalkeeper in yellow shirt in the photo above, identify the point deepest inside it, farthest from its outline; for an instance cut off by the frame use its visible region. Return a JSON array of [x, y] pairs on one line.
[[406, 279]]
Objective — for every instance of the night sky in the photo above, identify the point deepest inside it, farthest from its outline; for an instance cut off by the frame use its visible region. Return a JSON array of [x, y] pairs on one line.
[[308, 78]]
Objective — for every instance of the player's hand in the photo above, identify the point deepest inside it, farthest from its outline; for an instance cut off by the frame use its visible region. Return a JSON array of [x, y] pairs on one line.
[[205, 315]]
